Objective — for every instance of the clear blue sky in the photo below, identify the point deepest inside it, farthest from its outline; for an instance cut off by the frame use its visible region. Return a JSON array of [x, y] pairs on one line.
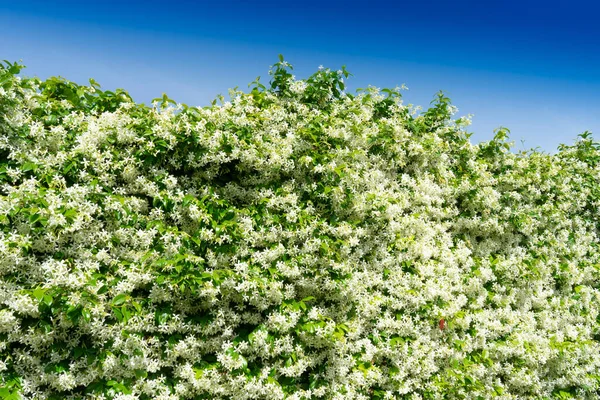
[[533, 67]]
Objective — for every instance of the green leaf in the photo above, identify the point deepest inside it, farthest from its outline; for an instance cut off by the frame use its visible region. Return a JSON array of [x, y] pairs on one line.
[[118, 314], [29, 166], [48, 300], [94, 83], [103, 289], [68, 167], [140, 373], [33, 218], [137, 306], [125, 312], [39, 293], [119, 299]]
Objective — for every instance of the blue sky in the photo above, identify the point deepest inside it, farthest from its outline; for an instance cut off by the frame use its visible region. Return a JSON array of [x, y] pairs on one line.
[[533, 67]]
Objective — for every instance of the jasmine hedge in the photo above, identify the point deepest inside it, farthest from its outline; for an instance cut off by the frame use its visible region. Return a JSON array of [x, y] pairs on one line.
[[295, 242]]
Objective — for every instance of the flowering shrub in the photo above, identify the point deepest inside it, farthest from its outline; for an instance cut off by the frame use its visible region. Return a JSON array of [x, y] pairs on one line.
[[295, 242]]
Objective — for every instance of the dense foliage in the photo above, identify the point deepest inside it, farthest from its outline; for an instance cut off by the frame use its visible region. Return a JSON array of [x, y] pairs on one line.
[[295, 242]]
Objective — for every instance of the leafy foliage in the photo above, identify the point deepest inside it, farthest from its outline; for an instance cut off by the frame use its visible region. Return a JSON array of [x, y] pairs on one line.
[[295, 241]]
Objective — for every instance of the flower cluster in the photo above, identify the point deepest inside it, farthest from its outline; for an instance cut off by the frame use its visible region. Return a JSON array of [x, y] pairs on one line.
[[294, 242]]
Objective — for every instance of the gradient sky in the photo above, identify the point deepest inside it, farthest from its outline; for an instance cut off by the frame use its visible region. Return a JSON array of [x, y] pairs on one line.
[[533, 67]]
